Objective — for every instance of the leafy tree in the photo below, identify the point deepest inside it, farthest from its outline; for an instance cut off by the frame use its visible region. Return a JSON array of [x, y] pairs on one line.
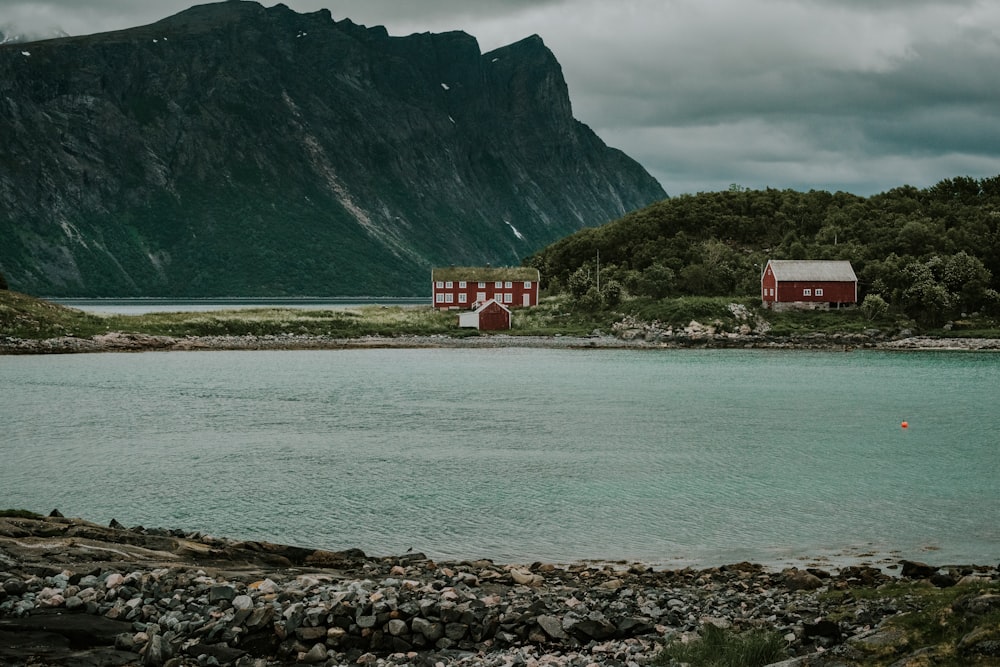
[[656, 281], [611, 293], [697, 280], [926, 299], [580, 282], [967, 279], [932, 252], [874, 307], [590, 301]]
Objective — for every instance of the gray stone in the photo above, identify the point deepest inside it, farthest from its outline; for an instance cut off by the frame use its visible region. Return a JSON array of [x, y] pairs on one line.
[[260, 618], [220, 593], [311, 634], [552, 627], [316, 654], [15, 587], [800, 580], [396, 627], [455, 631], [156, 652], [917, 570], [431, 630]]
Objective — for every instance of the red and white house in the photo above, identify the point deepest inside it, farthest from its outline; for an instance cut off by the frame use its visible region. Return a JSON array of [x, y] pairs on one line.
[[490, 316], [794, 283], [466, 288]]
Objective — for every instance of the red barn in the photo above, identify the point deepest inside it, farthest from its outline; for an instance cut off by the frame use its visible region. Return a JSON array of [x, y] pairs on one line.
[[793, 283], [467, 287], [491, 316]]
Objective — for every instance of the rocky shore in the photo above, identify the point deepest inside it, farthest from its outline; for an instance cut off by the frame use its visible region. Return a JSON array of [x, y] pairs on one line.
[[697, 338], [79, 594]]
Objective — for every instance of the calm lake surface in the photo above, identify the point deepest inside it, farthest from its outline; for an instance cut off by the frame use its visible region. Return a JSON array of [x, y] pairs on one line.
[[143, 305], [668, 457]]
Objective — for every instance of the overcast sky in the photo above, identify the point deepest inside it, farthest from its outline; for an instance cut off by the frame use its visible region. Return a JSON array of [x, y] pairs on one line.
[[854, 95]]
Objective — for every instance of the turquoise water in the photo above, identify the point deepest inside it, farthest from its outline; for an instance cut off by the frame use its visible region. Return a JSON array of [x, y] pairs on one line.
[[668, 457], [143, 305]]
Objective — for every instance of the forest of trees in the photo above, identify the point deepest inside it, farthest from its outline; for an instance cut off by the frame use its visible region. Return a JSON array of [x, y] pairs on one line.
[[933, 254]]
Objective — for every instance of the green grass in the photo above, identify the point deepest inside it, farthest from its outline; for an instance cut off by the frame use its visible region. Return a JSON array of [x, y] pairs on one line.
[[681, 311], [22, 316], [364, 321], [934, 619], [847, 320], [717, 647]]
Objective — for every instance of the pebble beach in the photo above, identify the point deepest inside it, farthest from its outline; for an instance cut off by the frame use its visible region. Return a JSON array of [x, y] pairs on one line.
[[131, 342], [76, 593]]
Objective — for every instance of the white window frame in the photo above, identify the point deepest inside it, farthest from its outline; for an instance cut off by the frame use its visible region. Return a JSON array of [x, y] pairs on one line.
[[819, 291], [498, 284], [480, 296], [508, 298], [439, 284], [449, 298], [449, 285], [807, 291], [461, 284], [482, 285], [527, 284], [439, 297], [508, 285]]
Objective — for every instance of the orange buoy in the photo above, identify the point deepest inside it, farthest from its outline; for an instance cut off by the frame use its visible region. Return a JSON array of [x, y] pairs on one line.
[[905, 425]]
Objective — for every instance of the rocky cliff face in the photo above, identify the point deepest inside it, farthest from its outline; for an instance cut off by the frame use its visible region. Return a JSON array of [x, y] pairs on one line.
[[238, 150]]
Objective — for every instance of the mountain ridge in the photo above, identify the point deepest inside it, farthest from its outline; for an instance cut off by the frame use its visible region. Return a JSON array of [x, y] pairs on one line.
[[242, 150]]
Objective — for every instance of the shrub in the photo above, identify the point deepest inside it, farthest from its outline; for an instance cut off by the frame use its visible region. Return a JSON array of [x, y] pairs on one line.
[[874, 307], [723, 648]]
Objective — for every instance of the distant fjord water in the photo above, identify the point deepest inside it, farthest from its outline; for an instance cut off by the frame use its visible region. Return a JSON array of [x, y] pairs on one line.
[[143, 305]]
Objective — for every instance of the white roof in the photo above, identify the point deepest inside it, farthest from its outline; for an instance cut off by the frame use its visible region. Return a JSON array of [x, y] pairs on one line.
[[807, 269], [488, 302]]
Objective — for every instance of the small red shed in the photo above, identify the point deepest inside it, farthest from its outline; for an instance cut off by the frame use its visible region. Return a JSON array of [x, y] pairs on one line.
[[794, 283], [491, 316]]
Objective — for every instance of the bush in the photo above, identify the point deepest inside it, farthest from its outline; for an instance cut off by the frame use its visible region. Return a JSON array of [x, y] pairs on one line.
[[724, 648], [680, 311], [874, 307]]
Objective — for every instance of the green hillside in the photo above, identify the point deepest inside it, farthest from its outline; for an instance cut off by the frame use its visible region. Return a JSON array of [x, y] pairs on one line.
[[932, 254]]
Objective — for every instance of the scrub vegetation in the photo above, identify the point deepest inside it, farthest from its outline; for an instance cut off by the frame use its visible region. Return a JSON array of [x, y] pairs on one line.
[[719, 647], [23, 316], [956, 626], [931, 255]]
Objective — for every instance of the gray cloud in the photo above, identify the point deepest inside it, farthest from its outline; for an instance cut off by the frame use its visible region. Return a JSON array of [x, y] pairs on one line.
[[855, 95]]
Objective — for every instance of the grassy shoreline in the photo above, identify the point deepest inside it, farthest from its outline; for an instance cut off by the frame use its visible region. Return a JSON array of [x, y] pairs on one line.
[[686, 322]]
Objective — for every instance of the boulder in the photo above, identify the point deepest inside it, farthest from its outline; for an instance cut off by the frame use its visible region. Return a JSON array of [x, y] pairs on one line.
[[801, 580], [552, 626], [917, 570]]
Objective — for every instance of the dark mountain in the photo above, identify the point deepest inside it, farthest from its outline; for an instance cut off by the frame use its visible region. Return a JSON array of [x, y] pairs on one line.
[[238, 150], [9, 34]]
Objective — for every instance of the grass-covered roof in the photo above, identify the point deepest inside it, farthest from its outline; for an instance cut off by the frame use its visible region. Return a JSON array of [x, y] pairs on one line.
[[484, 273]]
